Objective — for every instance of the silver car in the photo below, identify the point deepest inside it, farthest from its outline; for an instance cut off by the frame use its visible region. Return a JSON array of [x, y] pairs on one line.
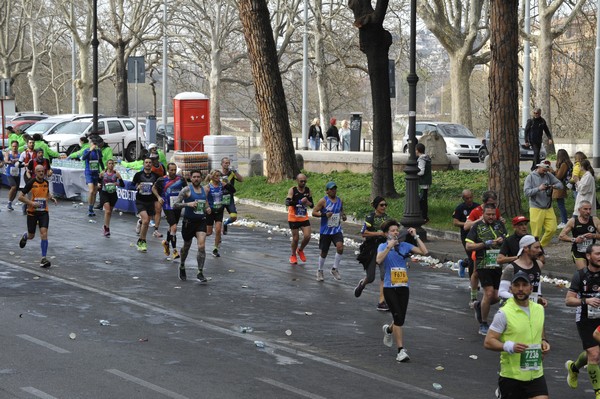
[[460, 141], [526, 152]]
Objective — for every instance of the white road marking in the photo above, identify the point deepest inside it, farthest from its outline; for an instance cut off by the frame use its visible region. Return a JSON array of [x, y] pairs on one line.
[[42, 343], [290, 388], [146, 384], [37, 393]]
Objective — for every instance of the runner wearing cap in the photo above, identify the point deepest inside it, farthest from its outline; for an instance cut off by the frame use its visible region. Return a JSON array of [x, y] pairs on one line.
[[538, 188], [92, 157], [510, 246], [331, 211], [585, 229], [520, 337], [527, 262], [298, 199]]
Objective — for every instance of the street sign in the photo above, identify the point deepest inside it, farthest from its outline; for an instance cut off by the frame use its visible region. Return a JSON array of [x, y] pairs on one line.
[[136, 70], [5, 88]]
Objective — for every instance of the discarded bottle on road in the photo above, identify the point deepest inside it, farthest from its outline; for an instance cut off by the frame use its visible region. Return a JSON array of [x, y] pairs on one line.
[[259, 344], [245, 329]]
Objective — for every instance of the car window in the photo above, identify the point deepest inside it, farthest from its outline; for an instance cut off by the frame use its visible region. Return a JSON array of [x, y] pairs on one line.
[[420, 128], [114, 127], [73, 128], [129, 124], [454, 130]]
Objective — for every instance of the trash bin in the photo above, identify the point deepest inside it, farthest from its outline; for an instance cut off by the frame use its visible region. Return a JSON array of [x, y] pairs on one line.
[[355, 129]]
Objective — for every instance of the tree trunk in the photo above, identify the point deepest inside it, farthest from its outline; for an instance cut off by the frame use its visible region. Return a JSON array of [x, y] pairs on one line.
[[270, 97], [504, 110], [321, 65], [460, 75], [33, 72], [84, 83], [121, 89], [544, 72], [214, 82], [375, 42]]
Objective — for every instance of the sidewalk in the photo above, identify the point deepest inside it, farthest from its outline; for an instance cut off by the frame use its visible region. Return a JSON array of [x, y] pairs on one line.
[[443, 245]]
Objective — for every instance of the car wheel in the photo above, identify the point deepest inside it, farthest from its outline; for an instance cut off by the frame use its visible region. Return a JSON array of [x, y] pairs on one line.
[[483, 152], [130, 152], [72, 149]]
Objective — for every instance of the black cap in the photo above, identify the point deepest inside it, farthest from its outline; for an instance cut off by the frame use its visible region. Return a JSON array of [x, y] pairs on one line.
[[521, 275]]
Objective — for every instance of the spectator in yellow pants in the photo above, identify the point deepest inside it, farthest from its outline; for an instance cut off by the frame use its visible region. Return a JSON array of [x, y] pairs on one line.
[[538, 188]]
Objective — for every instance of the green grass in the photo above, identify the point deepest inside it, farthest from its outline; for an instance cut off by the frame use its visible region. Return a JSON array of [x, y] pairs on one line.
[[355, 191]]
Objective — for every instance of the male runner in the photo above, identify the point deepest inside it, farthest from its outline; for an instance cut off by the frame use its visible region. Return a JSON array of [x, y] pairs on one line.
[[145, 200], [297, 200]]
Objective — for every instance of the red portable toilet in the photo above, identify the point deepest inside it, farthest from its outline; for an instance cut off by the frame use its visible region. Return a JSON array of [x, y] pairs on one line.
[[191, 116]]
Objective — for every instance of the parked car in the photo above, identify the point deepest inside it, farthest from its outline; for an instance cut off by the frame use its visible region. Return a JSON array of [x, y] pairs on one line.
[[526, 151], [459, 139], [52, 124], [165, 137], [29, 115], [21, 124], [118, 132]]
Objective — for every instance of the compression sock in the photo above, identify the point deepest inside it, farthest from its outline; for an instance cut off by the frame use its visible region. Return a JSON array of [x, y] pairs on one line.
[[474, 294], [321, 262], [168, 239], [580, 361], [201, 257], [44, 245], [337, 260], [594, 373], [174, 241], [90, 208]]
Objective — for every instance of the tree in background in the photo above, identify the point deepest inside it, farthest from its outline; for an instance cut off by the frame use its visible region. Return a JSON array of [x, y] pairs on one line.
[[270, 97], [375, 42], [504, 105]]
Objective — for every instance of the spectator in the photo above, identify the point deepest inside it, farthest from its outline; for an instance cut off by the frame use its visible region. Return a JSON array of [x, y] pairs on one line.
[[333, 136], [345, 135], [315, 135], [586, 188], [534, 131], [424, 163], [563, 172]]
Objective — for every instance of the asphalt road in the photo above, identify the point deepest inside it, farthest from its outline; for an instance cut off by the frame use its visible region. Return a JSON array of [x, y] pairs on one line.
[[171, 339]]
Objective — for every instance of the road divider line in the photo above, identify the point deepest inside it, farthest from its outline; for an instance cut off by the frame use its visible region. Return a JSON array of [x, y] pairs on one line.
[[42, 343], [289, 388], [146, 384], [37, 393]]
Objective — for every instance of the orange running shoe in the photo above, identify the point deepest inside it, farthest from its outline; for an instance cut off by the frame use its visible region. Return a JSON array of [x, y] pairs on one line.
[[302, 256], [293, 260]]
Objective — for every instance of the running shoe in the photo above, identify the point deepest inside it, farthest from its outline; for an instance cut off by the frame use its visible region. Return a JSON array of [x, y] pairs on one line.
[[166, 248], [402, 356], [144, 246], [201, 277], [182, 275], [301, 255], [157, 234], [472, 303], [105, 231], [359, 289], [461, 268], [571, 375], [477, 308], [140, 246], [23, 241], [175, 254], [483, 328], [388, 339], [383, 307], [224, 229], [91, 213], [561, 226], [216, 253], [293, 260], [320, 275], [44, 263], [336, 274], [138, 227], [10, 207], [152, 224]]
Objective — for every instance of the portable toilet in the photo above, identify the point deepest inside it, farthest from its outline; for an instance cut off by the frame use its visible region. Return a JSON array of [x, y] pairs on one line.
[[191, 116]]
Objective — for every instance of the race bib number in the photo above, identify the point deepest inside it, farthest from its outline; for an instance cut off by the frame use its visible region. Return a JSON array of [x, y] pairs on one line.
[[14, 171], [533, 297], [226, 199], [172, 200], [583, 245], [300, 210], [491, 258], [146, 188], [199, 207], [94, 165], [531, 358], [41, 204], [593, 312], [334, 220], [110, 187], [398, 277]]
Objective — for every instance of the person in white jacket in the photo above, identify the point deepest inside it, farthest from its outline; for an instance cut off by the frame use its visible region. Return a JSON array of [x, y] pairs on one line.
[[586, 188]]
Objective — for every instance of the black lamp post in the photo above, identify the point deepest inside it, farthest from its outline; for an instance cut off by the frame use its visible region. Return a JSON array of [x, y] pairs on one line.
[[95, 67], [412, 211]]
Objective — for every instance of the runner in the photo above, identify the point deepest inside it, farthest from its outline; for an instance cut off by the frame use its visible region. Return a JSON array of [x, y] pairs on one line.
[[373, 236], [297, 200], [159, 169], [459, 217], [582, 294], [13, 172], [145, 200], [167, 189], [92, 157], [193, 198], [485, 238], [510, 247], [331, 211], [392, 255], [109, 179], [37, 211], [218, 195], [38, 160], [585, 229], [27, 155], [518, 333], [230, 175]]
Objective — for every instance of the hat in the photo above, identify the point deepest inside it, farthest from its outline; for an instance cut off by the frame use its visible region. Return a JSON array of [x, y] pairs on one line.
[[543, 164], [519, 219], [525, 241], [151, 146], [521, 275], [330, 185], [10, 128]]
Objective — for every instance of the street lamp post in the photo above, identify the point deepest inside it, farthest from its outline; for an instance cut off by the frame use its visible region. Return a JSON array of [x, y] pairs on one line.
[[165, 69], [305, 79], [412, 212], [95, 66]]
